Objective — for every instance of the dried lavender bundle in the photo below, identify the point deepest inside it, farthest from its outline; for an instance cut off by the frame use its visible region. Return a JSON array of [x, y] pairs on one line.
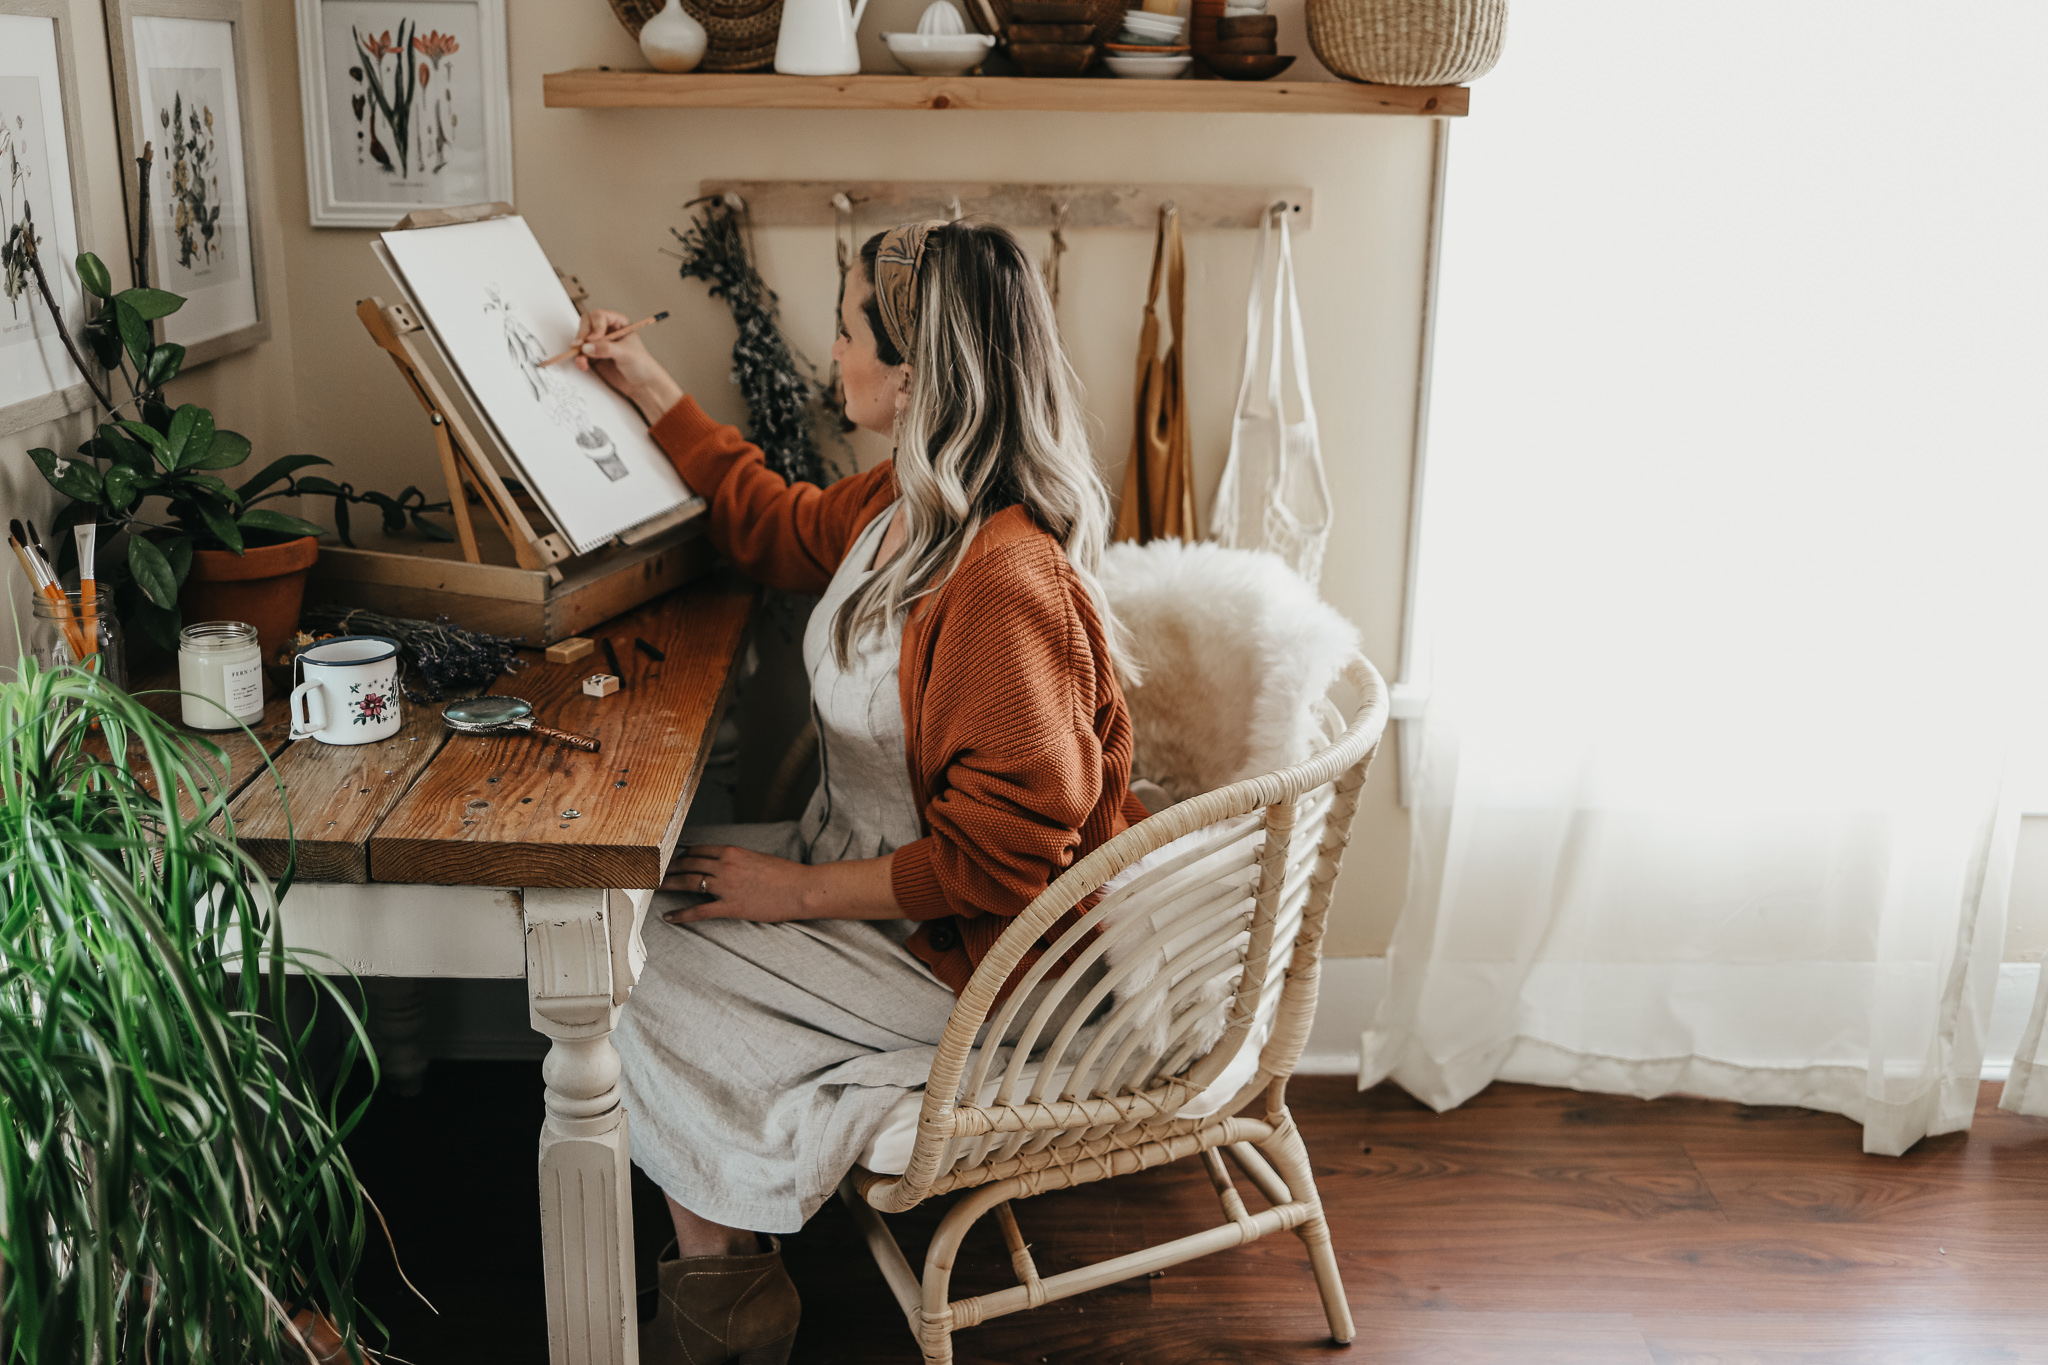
[[781, 388], [439, 655]]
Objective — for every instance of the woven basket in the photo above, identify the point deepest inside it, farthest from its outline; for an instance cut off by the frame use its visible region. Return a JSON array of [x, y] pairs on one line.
[[1407, 42], [741, 33]]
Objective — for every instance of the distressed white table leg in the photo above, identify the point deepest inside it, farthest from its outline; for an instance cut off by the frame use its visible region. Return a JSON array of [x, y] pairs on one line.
[[577, 951]]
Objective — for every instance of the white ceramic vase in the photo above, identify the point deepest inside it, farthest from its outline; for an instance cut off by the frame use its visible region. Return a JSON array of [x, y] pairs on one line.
[[672, 40]]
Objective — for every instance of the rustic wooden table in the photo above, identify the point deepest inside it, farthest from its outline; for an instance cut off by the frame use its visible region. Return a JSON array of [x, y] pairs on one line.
[[435, 854]]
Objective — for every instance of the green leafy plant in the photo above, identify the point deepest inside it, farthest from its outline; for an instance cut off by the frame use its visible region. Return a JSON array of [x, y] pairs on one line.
[[175, 1184], [146, 450]]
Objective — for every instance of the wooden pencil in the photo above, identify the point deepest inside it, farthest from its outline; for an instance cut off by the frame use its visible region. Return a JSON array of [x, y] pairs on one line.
[[625, 331]]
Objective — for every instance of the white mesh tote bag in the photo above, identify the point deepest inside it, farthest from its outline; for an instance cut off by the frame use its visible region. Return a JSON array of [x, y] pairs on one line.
[[1273, 495]]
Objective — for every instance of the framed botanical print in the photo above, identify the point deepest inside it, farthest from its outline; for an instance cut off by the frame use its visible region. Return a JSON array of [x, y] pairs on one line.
[[408, 106], [42, 203], [179, 76]]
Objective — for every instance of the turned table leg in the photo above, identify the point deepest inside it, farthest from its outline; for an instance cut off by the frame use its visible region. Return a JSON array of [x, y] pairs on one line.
[[578, 974]]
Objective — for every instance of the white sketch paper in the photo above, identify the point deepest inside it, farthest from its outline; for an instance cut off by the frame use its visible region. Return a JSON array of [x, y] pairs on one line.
[[35, 198], [496, 310], [199, 200]]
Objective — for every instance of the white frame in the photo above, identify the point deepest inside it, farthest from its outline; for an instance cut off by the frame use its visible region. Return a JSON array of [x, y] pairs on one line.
[[56, 403], [491, 60], [121, 17]]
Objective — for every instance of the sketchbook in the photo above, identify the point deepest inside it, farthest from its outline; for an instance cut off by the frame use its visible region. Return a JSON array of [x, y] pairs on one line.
[[489, 298]]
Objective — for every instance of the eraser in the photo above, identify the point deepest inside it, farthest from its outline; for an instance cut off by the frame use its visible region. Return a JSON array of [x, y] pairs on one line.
[[600, 685], [570, 650]]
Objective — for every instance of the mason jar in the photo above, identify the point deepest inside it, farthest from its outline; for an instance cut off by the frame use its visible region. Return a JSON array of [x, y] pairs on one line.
[[57, 635], [220, 674]]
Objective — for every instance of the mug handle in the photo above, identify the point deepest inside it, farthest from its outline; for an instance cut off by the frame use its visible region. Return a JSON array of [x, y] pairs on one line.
[[316, 700]]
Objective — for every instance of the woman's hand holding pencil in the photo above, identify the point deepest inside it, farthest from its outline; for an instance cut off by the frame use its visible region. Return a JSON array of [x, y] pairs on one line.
[[607, 344]]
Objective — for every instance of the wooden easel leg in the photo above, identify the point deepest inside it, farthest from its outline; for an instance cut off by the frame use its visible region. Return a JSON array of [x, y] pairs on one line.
[[586, 1214]]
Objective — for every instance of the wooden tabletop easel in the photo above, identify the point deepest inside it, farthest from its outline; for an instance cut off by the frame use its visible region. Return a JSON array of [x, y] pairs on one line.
[[465, 462]]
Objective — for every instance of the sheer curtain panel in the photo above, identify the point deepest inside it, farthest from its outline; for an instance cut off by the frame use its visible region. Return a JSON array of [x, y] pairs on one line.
[[1732, 576]]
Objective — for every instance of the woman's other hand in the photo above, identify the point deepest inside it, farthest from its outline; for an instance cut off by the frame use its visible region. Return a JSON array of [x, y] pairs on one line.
[[744, 884], [625, 364]]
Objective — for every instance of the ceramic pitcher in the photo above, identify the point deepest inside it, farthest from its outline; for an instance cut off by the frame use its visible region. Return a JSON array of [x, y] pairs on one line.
[[817, 38]]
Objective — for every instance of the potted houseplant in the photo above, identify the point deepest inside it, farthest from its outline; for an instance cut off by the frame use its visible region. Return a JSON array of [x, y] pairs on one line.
[[179, 540], [172, 1175]]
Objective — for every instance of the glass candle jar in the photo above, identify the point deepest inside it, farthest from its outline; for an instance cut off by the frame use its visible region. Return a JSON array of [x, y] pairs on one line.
[[56, 635], [220, 671]]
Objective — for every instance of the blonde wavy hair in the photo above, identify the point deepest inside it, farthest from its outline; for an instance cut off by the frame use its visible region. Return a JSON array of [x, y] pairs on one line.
[[995, 419]]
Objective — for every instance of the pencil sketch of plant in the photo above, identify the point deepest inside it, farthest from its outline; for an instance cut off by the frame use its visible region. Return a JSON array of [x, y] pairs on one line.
[[18, 237], [557, 398], [195, 180], [391, 82]]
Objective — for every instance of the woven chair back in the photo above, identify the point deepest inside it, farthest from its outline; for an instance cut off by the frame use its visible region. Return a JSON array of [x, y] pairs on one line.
[[1184, 990]]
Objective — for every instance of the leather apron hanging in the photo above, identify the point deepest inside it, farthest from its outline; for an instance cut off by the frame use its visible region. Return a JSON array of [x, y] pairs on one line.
[[1159, 494]]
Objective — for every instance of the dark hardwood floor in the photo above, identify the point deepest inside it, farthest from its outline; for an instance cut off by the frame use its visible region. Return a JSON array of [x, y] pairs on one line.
[[1531, 1226]]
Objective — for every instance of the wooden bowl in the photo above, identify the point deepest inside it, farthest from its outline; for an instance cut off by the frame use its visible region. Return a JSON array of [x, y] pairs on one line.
[[1106, 15], [1053, 59], [1254, 47], [1051, 12], [1051, 33], [1241, 66], [1146, 50], [1248, 26]]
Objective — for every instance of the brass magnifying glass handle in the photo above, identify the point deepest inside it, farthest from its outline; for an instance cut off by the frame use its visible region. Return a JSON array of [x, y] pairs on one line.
[[583, 742]]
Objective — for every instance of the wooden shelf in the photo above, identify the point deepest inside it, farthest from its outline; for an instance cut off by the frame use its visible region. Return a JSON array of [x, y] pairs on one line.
[[602, 89]]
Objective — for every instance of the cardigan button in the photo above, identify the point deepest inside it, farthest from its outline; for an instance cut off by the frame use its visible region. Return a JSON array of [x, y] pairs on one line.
[[944, 939]]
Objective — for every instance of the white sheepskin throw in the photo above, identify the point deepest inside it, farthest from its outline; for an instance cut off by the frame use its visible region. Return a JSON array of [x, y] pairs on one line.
[[1233, 649]]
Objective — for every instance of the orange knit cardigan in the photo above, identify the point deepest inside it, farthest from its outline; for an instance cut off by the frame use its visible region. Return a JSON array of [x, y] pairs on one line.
[[1015, 728]]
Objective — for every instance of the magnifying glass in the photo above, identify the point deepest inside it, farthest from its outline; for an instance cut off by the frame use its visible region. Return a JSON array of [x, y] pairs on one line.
[[502, 716]]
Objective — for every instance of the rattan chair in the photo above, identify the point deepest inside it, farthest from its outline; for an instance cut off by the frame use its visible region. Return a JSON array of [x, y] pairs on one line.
[[1228, 910]]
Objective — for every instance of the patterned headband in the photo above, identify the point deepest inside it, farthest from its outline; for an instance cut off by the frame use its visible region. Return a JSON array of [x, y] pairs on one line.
[[896, 266]]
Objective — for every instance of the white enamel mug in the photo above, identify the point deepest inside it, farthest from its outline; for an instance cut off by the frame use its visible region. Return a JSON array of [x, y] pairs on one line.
[[350, 692]]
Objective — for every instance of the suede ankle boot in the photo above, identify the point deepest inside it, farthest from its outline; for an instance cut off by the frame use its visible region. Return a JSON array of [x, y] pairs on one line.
[[717, 1309]]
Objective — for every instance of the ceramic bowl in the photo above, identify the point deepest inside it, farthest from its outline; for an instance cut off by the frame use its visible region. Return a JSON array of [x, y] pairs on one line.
[[1147, 68], [1239, 66], [938, 54], [1138, 21]]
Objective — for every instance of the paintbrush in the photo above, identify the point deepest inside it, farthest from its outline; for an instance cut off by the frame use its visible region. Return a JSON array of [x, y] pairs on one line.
[[22, 542], [87, 536], [625, 331]]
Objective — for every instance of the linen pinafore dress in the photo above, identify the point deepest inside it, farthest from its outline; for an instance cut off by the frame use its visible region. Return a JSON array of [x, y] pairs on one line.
[[758, 1060]]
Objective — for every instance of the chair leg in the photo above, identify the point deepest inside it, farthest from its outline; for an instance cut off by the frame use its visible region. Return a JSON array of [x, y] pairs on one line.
[[1289, 1156]]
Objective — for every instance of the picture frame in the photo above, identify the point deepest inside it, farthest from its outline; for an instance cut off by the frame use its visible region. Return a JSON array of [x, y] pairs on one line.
[[408, 106], [40, 169], [169, 56]]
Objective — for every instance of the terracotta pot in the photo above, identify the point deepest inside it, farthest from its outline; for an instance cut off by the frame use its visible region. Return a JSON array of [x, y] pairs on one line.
[[263, 586]]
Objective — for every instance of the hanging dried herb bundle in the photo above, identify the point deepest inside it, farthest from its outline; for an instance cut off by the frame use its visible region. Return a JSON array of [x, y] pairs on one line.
[[439, 655], [782, 389]]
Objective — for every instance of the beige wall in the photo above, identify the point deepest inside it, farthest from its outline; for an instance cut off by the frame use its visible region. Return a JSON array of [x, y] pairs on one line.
[[601, 188]]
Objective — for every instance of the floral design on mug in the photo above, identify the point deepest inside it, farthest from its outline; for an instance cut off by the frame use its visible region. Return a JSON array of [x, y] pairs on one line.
[[372, 706]]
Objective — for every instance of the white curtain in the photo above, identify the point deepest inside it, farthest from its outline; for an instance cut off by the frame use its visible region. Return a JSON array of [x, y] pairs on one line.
[[1733, 588]]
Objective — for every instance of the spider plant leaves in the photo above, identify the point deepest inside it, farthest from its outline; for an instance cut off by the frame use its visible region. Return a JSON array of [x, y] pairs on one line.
[[152, 572], [172, 1173]]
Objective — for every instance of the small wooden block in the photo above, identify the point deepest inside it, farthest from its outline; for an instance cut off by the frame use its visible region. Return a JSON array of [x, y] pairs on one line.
[[570, 650], [600, 684]]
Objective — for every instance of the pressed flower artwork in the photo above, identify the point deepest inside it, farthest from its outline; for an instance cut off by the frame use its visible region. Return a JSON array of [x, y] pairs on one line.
[[36, 207], [185, 103], [411, 97]]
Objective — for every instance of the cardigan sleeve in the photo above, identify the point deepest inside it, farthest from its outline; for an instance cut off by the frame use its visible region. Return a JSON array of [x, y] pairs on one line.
[[787, 535], [1019, 766]]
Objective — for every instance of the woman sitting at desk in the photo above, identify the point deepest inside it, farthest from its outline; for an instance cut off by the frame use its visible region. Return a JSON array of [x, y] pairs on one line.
[[975, 744]]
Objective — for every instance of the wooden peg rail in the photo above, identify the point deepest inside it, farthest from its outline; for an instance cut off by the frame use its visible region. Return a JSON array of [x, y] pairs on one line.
[[808, 203]]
